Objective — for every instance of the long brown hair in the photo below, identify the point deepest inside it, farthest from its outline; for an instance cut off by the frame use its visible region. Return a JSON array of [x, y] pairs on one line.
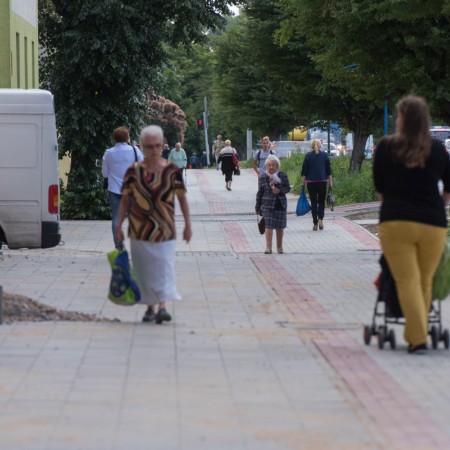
[[412, 142]]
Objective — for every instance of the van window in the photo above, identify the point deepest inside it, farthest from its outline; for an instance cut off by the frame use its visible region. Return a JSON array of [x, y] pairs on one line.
[[20, 145]]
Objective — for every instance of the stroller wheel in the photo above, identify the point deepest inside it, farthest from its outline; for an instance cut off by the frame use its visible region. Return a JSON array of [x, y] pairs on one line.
[[381, 338], [434, 332], [446, 338], [392, 339], [367, 334]]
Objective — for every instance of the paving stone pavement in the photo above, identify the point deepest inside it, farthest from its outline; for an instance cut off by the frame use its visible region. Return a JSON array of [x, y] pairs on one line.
[[265, 351]]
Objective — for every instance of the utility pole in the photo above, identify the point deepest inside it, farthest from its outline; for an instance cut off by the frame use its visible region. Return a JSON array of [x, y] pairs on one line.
[[205, 127]]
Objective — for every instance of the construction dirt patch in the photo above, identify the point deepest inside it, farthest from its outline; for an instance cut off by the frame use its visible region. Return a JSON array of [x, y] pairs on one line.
[[18, 308]]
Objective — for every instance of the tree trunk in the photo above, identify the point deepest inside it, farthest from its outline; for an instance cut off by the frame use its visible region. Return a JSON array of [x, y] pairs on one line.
[[358, 119], [360, 136]]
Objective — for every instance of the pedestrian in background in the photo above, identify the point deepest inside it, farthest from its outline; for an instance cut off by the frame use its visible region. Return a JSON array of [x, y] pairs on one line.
[[166, 151], [259, 161], [115, 163], [178, 156], [226, 160], [413, 224], [217, 147], [316, 173], [271, 202], [148, 196], [193, 160]]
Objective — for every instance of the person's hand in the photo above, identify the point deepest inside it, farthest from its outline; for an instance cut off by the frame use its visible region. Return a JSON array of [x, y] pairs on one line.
[[275, 191], [119, 234], [259, 213], [187, 233]]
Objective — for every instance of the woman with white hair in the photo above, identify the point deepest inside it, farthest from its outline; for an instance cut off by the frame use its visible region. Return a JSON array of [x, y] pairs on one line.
[[148, 195], [225, 160], [316, 173], [271, 202]]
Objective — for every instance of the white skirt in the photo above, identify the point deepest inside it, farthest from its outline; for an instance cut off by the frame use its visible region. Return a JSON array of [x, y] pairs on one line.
[[154, 266]]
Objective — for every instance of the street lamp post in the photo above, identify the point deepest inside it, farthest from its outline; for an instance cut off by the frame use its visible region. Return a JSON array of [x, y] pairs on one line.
[[386, 115]]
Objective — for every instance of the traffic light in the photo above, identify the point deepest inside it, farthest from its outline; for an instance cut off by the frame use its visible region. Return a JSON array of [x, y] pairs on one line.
[[200, 124]]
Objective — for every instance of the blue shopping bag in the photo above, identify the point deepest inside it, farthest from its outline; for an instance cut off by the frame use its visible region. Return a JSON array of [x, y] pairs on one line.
[[303, 206], [123, 288]]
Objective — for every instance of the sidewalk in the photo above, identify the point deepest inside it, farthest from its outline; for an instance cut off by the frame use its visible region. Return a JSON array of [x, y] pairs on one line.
[[265, 351]]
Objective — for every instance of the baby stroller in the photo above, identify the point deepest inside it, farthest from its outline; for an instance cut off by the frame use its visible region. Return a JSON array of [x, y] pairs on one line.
[[392, 314]]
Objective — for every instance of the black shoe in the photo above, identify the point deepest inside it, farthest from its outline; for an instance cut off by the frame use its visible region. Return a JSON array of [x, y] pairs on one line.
[[149, 315], [162, 316], [418, 349]]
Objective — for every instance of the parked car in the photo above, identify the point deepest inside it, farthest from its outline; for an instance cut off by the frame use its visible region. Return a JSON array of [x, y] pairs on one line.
[[368, 152], [441, 133], [333, 149], [447, 145]]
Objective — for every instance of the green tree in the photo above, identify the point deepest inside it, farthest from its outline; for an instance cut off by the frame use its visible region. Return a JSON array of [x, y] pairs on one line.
[[246, 95], [99, 60], [186, 78], [368, 50]]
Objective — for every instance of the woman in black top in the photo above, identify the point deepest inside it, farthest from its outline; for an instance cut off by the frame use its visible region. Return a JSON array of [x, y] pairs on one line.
[[316, 172], [413, 225], [228, 167]]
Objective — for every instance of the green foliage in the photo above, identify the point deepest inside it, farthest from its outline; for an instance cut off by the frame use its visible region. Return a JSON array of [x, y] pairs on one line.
[[247, 96], [73, 203], [99, 60], [352, 187], [394, 46], [348, 187], [186, 78], [292, 167]]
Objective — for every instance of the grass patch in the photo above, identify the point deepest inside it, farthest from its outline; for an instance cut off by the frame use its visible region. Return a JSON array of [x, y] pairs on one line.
[[348, 187]]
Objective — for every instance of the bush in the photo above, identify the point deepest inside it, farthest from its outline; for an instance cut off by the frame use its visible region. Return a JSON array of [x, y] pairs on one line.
[[348, 187]]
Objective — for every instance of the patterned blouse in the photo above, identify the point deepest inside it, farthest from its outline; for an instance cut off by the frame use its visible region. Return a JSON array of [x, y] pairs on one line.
[[151, 214]]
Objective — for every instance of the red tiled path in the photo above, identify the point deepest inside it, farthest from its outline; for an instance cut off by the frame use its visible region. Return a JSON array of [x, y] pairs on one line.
[[216, 202], [399, 418]]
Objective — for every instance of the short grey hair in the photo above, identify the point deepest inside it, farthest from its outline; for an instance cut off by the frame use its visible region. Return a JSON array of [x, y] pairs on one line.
[[151, 130], [273, 158]]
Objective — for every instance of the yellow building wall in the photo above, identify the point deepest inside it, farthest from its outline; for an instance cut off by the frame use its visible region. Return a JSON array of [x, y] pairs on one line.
[[19, 44], [64, 169]]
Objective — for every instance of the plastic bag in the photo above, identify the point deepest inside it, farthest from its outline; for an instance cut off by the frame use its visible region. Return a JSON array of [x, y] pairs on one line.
[[441, 280], [123, 288], [303, 206]]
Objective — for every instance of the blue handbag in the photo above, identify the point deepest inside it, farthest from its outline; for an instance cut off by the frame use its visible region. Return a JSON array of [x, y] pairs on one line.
[[303, 206]]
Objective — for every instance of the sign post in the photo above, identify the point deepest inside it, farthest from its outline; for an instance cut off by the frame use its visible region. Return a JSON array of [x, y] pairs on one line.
[[205, 126]]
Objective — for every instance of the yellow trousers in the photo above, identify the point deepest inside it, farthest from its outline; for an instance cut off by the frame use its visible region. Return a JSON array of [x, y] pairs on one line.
[[413, 251]]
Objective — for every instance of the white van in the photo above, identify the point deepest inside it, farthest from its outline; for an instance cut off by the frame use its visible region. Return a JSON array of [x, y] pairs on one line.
[[29, 183]]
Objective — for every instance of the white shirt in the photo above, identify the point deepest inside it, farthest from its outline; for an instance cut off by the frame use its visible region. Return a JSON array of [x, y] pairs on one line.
[[115, 163]]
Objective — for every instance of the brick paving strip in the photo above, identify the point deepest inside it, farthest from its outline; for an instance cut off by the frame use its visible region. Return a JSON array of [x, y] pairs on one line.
[[397, 416], [215, 200]]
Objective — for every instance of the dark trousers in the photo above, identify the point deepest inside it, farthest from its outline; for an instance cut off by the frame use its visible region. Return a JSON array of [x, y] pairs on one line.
[[317, 193]]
